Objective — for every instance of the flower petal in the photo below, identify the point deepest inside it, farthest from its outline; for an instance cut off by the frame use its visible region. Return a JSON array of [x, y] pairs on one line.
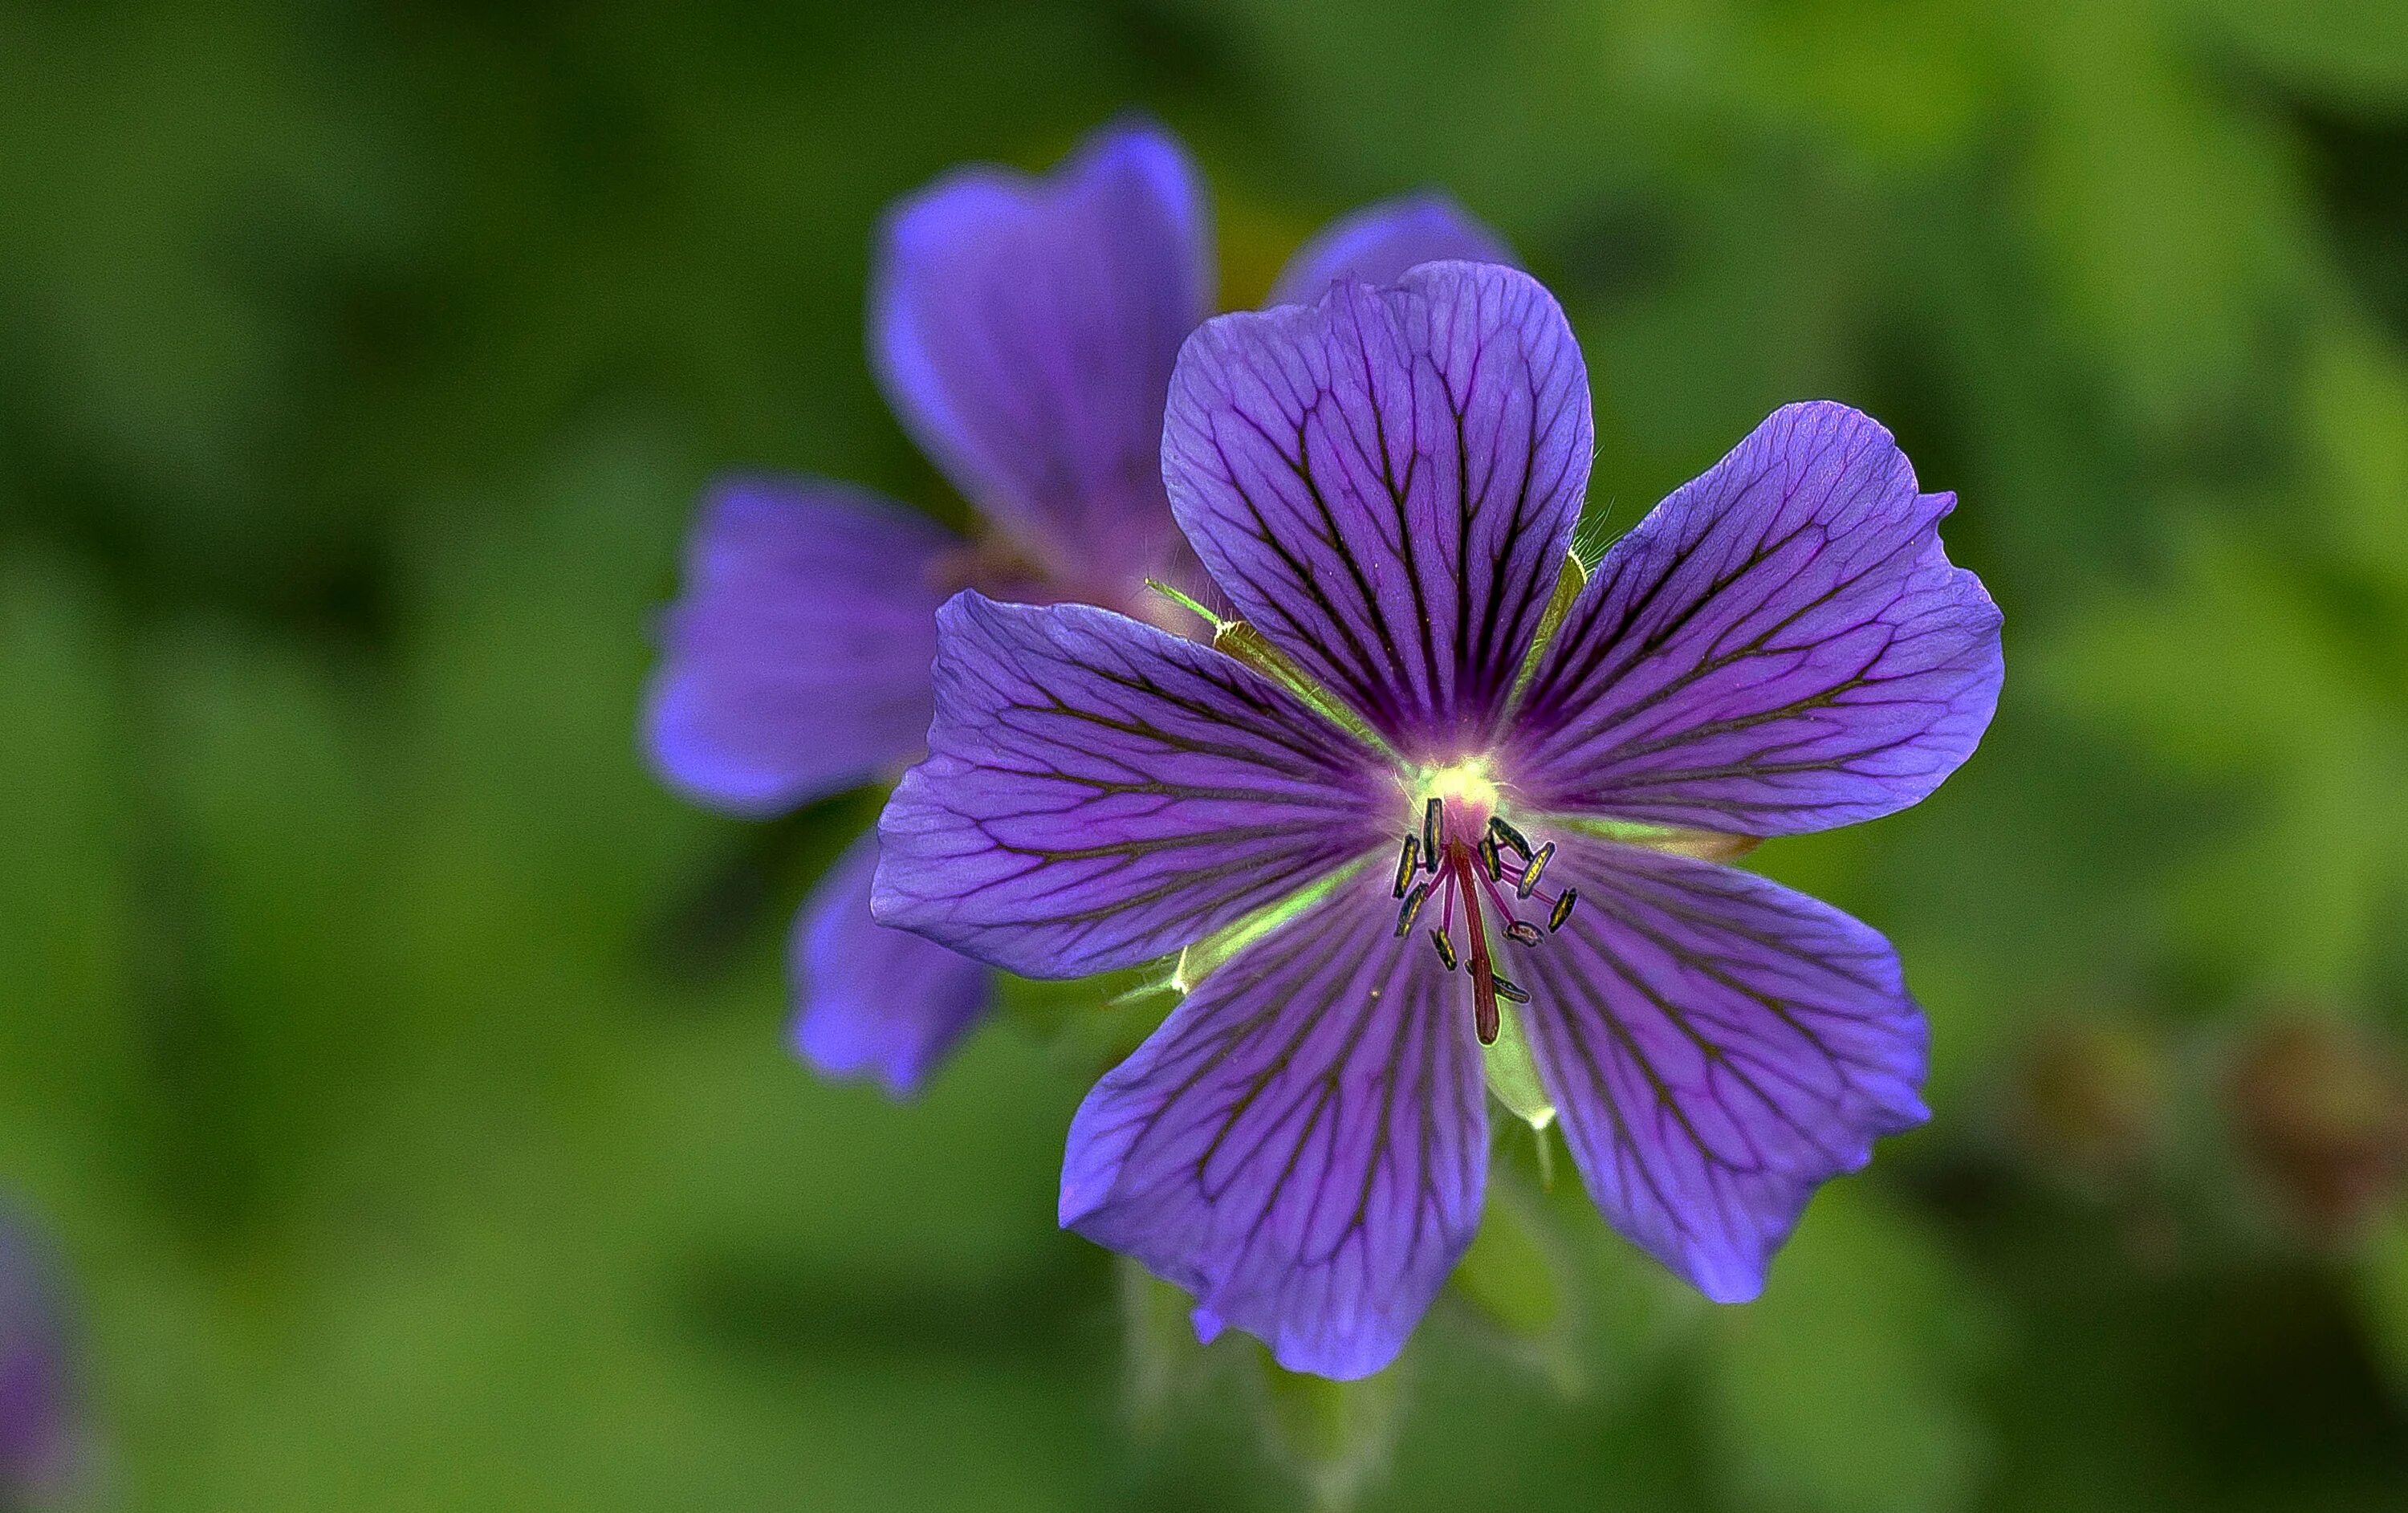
[[1025, 330], [1780, 646], [40, 1417], [872, 1001], [1376, 244], [1718, 1046], [1385, 483], [794, 663], [1302, 1144], [1099, 793]]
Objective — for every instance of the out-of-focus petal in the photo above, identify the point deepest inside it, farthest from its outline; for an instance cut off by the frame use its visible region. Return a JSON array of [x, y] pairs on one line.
[[794, 663], [1779, 646], [1377, 244], [872, 1001], [38, 1418], [1098, 792], [1719, 1047], [1025, 329], [1302, 1144], [1385, 484]]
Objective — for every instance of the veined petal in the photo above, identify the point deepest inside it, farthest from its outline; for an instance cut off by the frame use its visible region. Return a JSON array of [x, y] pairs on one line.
[[1385, 483], [1302, 1144], [1098, 792], [1025, 330], [1718, 1047], [872, 1001], [1377, 244], [1780, 646], [794, 663]]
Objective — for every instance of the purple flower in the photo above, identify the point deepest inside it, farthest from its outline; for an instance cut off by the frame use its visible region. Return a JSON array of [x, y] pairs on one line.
[[37, 1415], [1435, 792], [1024, 331]]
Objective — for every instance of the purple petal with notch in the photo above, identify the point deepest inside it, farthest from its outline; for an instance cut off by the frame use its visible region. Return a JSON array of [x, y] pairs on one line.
[[1024, 331], [1385, 484], [1302, 1144], [1377, 244], [794, 663], [872, 1001], [1098, 792], [1780, 646], [1718, 1047]]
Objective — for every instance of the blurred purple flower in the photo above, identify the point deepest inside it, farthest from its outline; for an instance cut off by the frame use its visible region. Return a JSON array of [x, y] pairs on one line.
[[36, 1406], [1413, 811], [1024, 329]]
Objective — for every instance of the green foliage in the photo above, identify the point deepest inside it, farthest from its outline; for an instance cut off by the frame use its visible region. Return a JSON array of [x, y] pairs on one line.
[[1843, 1387], [401, 1071]]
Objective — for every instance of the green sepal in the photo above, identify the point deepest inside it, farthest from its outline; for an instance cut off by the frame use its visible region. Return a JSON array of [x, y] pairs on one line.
[[1242, 642], [1201, 959], [1568, 584], [1335, 1435], [1517, 1283], [1165, 1357], [1703, 845], [1514, 1071]]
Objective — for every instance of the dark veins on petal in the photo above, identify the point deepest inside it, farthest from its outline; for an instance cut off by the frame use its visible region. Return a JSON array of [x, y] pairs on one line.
[[1303, 1143], [1782, 646], [1386, 485], [1099, 793], [1718, 1046]]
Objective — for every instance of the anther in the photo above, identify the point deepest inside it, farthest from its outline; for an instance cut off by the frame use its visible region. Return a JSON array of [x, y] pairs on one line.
[[1445, 947], [1563, 910], [1405, 864], [1522, 932], [1412, 906], [1530, 874], [1510, 837], [1431, 812], [1489, 859], [1510, 991]]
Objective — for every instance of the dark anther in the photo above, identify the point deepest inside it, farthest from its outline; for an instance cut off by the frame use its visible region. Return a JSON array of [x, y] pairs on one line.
[[1412, 906], [1445, 947], [1563, 910], [1530, 874], [1431, 815], [1405, 864], [1511, 990], [1522, 932], [1509, 836], [1489, 859]]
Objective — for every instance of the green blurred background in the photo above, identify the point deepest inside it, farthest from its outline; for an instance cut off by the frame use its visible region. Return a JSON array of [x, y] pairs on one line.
[[399, 1073]]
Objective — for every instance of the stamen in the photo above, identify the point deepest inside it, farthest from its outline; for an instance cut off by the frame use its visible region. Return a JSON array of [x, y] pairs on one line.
[[1463, 866], [1563, 910], [1512, 837], [1530, 874]]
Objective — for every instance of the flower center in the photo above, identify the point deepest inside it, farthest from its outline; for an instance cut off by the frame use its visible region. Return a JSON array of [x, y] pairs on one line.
[[1466, 852]]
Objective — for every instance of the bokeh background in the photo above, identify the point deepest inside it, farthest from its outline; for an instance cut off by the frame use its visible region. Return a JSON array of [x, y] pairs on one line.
[[392, 1077]]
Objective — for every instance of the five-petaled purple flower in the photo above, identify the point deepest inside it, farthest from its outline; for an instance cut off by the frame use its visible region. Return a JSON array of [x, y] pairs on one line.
[[1024, 331], [1425, 791]]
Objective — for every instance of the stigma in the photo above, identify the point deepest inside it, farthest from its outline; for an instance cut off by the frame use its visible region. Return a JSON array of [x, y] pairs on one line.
[[1464, 852]]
